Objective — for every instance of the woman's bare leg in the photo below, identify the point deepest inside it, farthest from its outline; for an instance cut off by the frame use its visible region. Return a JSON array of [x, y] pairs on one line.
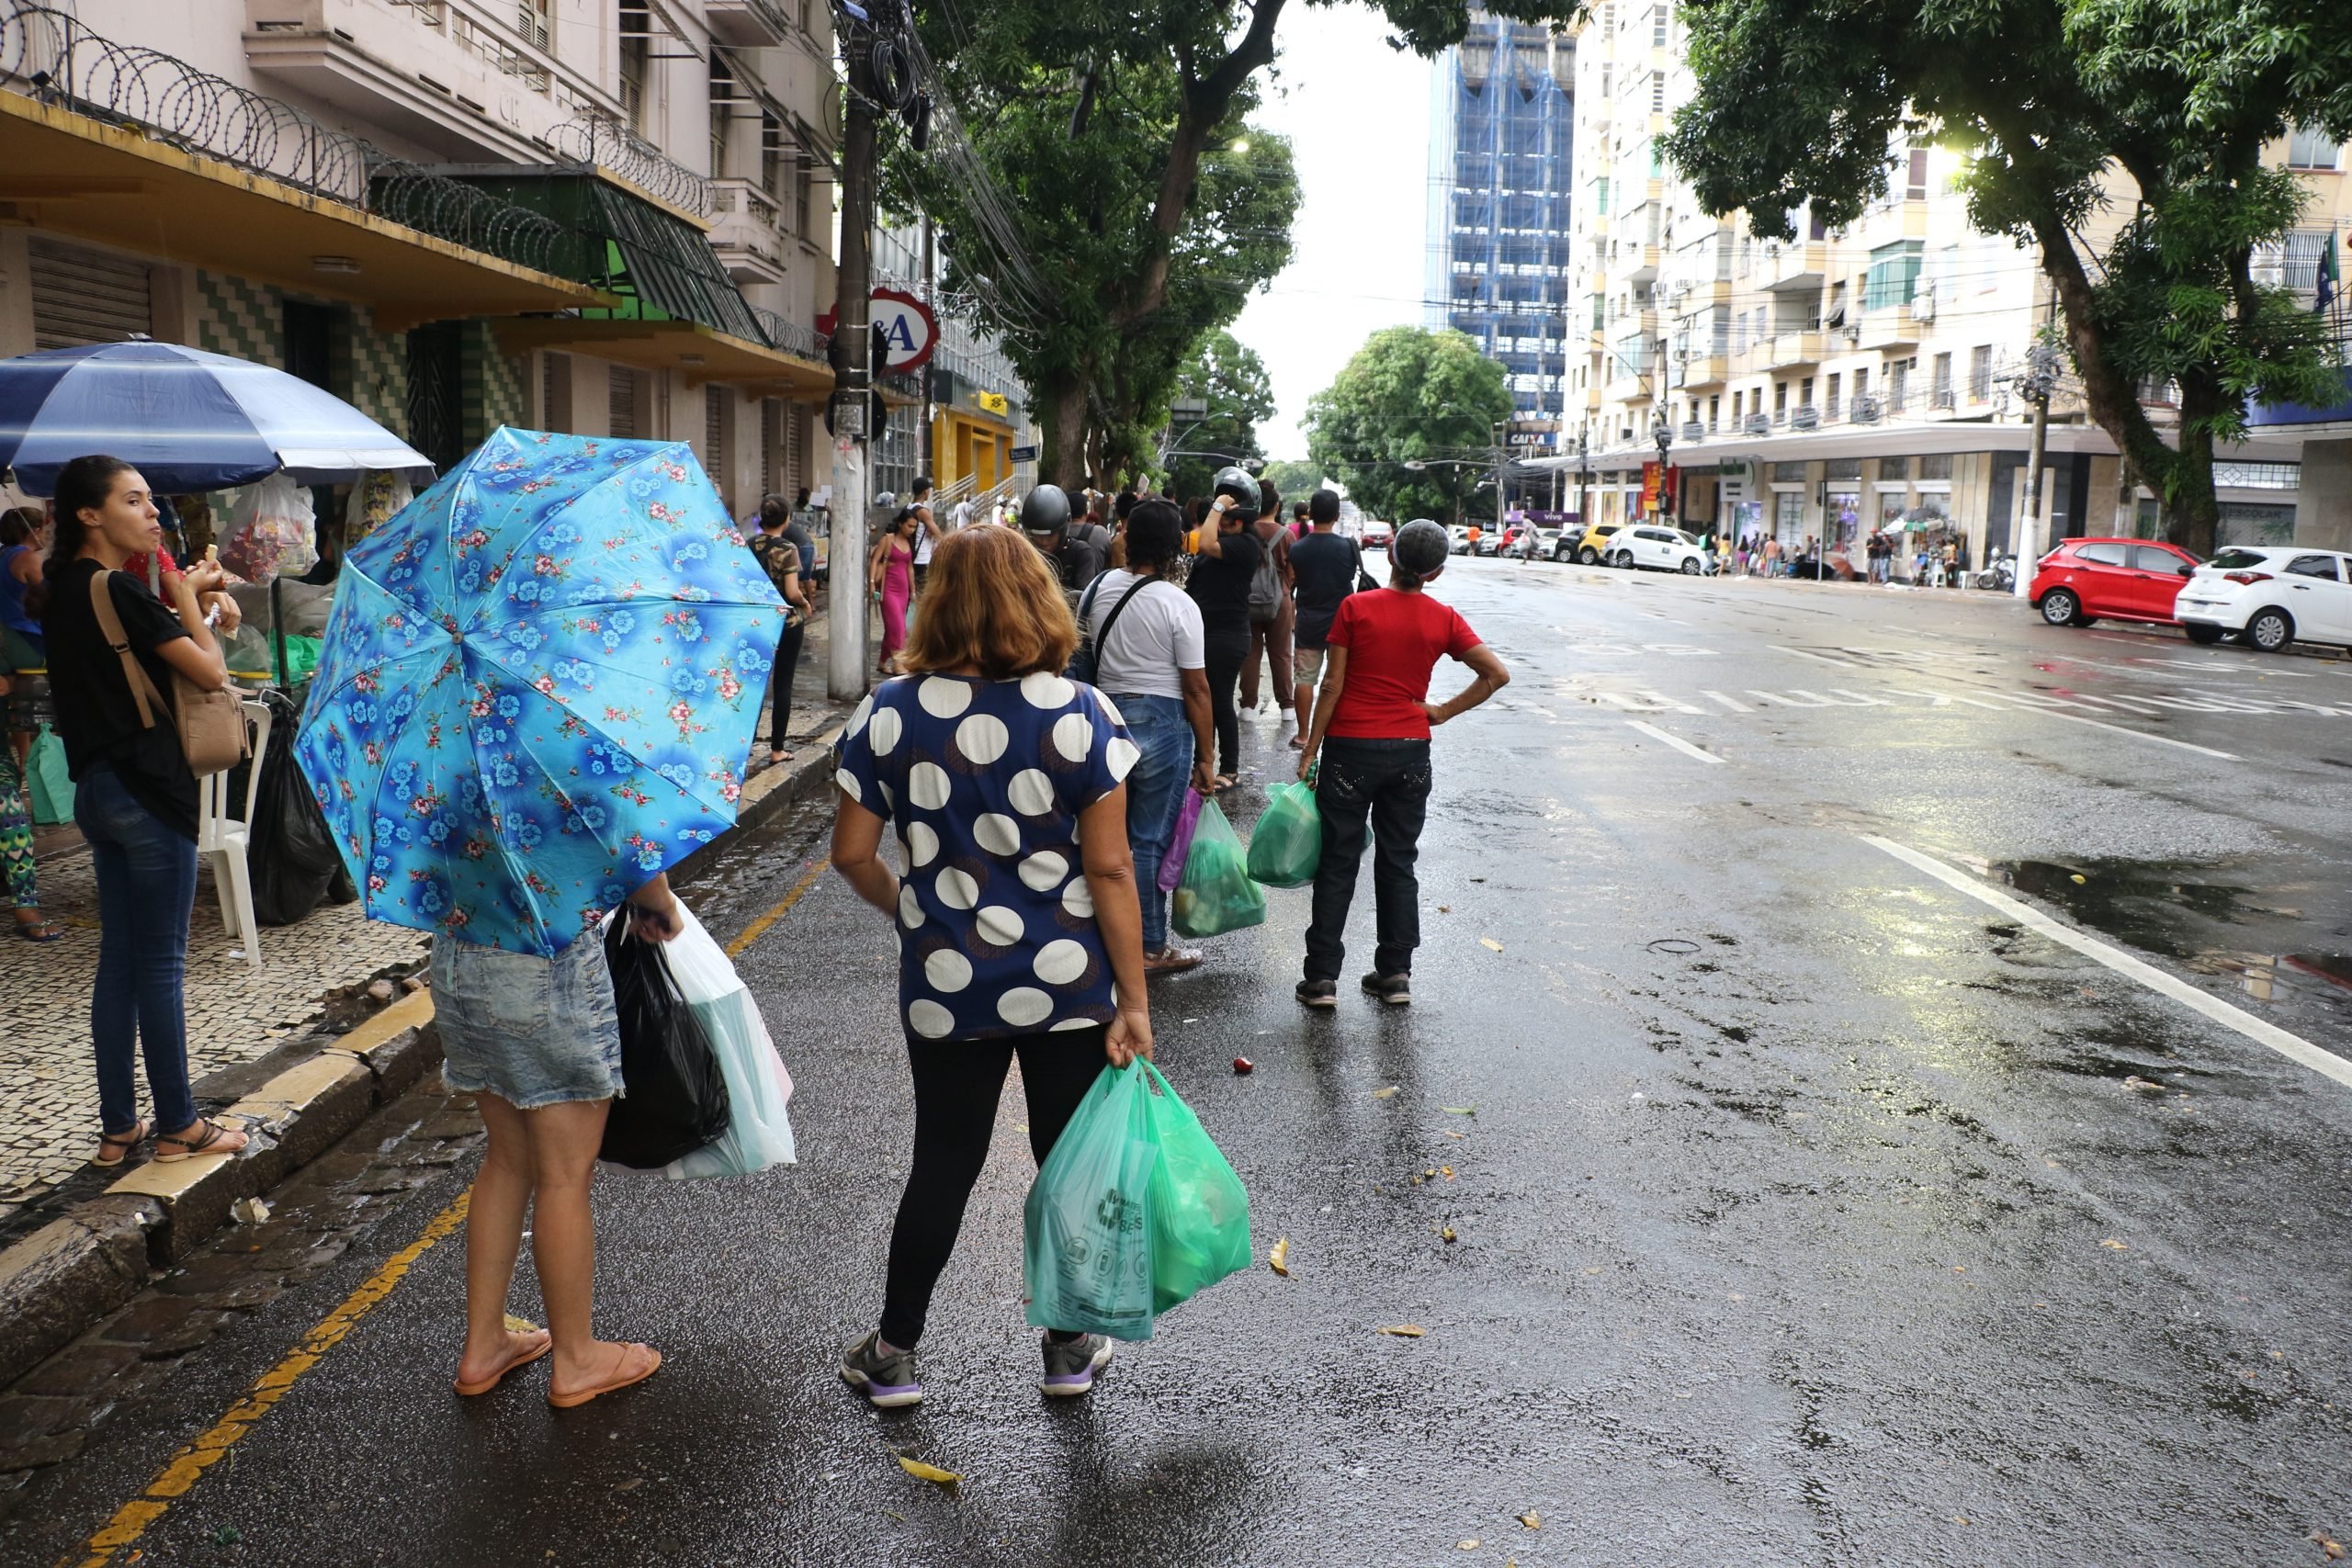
[[502, 1197], [564, 1139]]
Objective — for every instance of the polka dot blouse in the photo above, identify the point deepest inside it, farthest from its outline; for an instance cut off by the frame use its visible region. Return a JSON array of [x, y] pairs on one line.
[[984, 781]]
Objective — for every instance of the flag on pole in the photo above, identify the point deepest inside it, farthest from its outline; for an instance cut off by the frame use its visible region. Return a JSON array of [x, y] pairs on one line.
[[2330, 284]]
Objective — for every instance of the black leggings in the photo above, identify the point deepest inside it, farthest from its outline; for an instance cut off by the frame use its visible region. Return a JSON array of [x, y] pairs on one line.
[[957, 1085], [787, 660], [1226, 650]]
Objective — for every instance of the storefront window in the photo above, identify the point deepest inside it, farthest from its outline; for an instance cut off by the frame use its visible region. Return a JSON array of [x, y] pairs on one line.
[[1890, 504], [1845, 522], [1788, 516]]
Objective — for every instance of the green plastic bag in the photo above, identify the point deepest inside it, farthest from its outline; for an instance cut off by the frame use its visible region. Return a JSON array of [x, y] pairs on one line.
[[47, 783], [1198, 1217], [1085, 1255], [1217, 893], [1288, 840], [1134, 1212]]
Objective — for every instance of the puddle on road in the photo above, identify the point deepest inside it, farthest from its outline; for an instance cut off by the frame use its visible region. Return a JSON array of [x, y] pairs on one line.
[[2168, 908]]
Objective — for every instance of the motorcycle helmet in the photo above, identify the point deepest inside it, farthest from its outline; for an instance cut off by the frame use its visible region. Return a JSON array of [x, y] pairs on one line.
[[1045, 515], [1238, 484]]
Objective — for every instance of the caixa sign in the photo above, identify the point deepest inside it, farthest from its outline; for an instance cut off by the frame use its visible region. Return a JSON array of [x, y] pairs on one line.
[[909, 326]]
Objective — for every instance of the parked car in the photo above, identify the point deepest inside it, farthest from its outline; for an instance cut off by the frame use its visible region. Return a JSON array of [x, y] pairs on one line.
[[1489, 542], [1547, 543], [1593, 547], [1457, 539], [2125, 580], [1658, 549], [2268, 595]]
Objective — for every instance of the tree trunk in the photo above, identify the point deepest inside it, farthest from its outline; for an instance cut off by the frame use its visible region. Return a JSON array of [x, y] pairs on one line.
[[2192, 512], [1063, 460]]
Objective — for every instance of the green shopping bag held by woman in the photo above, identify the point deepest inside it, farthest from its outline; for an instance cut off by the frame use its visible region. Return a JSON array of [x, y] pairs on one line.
[[1288, 840], [1217, 893], [1134, 1212]]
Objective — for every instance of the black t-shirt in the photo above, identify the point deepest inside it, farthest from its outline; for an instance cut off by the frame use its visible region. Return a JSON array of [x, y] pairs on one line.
[[1220, 584], [1325, 567], [97, 717]]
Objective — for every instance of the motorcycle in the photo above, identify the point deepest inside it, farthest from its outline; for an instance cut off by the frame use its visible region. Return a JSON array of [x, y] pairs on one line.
[[2001, 576]]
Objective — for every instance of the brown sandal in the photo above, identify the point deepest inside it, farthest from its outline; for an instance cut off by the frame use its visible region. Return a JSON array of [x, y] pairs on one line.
[[118, 1144], [213, 1139]]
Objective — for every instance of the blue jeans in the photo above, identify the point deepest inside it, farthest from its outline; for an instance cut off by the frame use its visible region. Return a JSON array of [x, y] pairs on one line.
[[146, 890], [1155, 788]]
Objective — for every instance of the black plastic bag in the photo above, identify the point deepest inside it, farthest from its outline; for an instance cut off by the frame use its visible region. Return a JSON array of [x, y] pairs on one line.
[[674, 1097], [292, 855]]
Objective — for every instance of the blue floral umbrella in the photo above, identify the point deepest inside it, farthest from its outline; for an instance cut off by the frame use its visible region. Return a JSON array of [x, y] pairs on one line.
[[539, 687]]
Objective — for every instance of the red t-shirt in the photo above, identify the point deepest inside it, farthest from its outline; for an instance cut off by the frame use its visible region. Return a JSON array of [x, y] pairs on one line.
[[1394, 639]]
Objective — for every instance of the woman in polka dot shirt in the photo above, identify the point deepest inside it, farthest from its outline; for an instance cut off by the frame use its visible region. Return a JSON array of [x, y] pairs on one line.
[[993, 768]]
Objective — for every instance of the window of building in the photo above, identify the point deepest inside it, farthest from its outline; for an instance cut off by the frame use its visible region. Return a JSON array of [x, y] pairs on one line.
[[1915, 186], [1936, 465], [1658, 90], [1715, 406], [1804, 390], [1736, 398], [1980, 373], [1861, 385], [1942, 383], [800, 195], [1898, 385], [722, 104], [1661, 18], [1831, 402], [1894, 467], [2310, 148], [1894, 276], [1780, 401], [635, 49], [533, 19], [1847, 469], [1788, 473]]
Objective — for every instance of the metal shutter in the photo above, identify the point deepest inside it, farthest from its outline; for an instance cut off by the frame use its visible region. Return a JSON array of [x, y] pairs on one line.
[[714, 435], [83, 296], [624, 401], [771, 445]]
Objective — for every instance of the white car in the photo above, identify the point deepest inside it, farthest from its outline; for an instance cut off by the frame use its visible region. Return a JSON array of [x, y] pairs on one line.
[[1660, 549], [2267, 596], [1457, 539]]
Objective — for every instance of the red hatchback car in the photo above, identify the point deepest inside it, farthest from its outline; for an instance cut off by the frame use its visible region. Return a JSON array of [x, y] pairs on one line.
[[2122, 580]]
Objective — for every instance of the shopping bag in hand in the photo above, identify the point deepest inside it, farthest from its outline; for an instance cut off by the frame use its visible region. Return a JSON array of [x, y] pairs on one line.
[[673, 1099], [1288, 840], [1217, 893], [1188, 818], [758, 1133], [1198, 1216], [1086, 1254]]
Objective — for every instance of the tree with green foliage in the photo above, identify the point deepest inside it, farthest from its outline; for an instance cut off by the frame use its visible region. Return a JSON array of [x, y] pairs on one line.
[[2063, 109], [1230, 379], [1100, 197], [1294, 479], [1411, 396]]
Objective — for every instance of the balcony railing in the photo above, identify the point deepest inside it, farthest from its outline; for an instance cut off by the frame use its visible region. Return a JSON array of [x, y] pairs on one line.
[[54, 59], [791, 337], [1693, 431], [1805, 417]]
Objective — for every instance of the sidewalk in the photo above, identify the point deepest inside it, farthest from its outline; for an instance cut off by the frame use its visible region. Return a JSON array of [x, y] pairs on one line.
[[235, 1015]]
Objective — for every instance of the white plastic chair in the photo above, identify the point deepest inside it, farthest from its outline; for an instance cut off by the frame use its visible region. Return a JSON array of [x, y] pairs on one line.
[[221, 839]]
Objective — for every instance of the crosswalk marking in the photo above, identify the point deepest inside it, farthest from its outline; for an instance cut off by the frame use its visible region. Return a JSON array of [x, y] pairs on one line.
[[1655, 733], [1731, 703]]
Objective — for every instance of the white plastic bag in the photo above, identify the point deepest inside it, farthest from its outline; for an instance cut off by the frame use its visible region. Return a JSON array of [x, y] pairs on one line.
[[272, 530], [758, 1133]]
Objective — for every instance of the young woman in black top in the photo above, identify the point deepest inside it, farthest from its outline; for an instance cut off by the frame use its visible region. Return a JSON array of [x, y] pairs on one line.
[[1220, 584], [134, 799]]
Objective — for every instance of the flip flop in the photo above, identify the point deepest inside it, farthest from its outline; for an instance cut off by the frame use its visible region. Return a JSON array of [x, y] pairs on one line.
[[483, 1386], [621, 1379]]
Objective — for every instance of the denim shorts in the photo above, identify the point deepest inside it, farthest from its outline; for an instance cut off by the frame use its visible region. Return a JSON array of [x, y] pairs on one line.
[[532, 1030]]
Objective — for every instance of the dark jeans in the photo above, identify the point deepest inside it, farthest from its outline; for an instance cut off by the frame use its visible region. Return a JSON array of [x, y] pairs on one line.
[[146, 890], [788, 659], [1226, 649], [957, 1085], [1388, 782]]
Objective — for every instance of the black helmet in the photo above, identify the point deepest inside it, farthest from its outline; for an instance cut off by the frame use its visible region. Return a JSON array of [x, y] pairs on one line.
[[1045, 515], [1238, 484]]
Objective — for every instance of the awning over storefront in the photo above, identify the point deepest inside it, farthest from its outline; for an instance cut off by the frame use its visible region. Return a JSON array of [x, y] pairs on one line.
[[104, 182], [698, 352]]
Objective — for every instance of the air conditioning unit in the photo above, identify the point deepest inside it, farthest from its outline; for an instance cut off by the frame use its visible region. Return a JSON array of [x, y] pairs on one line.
[[1853, 336], [1806, 417], [1866, 408], [1923, 305]]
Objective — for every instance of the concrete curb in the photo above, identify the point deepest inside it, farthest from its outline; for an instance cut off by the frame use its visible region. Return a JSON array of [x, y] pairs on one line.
[[85, 1264]]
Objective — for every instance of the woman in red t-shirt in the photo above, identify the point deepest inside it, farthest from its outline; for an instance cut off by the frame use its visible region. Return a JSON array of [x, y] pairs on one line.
[[1373, 718]]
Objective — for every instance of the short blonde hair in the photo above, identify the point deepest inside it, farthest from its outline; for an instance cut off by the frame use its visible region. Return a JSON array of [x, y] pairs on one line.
[[990, 601]]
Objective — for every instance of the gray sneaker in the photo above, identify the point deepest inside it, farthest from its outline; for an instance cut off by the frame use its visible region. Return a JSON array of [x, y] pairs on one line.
[[1396, 990], [1070, 1367], [888, 1381]]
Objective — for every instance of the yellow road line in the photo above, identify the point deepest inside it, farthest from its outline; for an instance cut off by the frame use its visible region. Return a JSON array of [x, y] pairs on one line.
[[183, 1470], [760, 927]]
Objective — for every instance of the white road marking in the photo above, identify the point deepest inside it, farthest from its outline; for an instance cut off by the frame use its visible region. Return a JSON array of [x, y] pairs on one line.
[[2292, 1046], [1941, 699], [1731, 703], [1655, 733], [2135, 734], [1645, 702], [1820, 657]]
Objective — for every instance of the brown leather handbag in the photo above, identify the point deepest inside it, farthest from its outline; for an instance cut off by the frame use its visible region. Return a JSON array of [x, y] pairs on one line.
[[212, 724]]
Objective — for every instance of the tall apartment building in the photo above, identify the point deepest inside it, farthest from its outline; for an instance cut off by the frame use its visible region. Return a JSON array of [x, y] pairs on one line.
[[1500, 123], [610, 217], [1850, 379]]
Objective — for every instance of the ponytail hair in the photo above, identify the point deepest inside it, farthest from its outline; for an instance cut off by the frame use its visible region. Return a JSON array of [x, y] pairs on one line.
[[85, 481]]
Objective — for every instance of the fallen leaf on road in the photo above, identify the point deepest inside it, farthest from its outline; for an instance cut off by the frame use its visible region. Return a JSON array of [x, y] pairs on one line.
[[2334, 1549], [2079, 877], [1278, 1259], [2134, 1080], [1467, 1543], [1456, 1136], [1388, 1094], [1404, 1331], [1592, 1270], [1459, 1110], [1446, 1171], [1445, 908], [631, 1484], [1530, 1520], [1490, 942], [2117, 1245], [930, 1473], [1446, 1236]]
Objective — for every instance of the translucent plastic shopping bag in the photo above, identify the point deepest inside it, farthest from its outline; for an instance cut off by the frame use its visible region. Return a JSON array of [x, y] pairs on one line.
[[1198, 1213], [1217, 893], [1188, 818], [1288, 839], [1086, 1254]]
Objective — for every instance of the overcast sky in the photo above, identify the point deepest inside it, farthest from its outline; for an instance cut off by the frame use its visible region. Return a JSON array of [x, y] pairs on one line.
[[1357, 114]]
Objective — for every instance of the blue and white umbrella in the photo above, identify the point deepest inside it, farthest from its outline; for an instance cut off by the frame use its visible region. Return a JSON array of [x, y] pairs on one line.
[[187, 419]]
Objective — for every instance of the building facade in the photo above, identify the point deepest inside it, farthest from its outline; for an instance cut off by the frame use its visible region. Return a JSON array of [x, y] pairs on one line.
[[964, 412], [609, 216], [1501, 131], [1844, 380]]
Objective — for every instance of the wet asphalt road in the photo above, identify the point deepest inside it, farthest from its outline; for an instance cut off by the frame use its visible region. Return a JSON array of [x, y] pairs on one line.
[[1807, 1211]]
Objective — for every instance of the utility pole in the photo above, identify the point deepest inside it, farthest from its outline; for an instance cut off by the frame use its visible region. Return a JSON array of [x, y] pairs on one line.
[[2040, 370], [929, 462], [845, 598], [1503, 456]]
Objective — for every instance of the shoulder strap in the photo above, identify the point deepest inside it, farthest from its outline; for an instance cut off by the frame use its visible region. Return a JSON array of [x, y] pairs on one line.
[[1102, 638], [143, 690]]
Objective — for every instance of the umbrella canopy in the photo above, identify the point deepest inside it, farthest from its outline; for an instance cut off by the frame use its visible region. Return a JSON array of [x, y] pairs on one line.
[[539, 687], [187, 419]]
